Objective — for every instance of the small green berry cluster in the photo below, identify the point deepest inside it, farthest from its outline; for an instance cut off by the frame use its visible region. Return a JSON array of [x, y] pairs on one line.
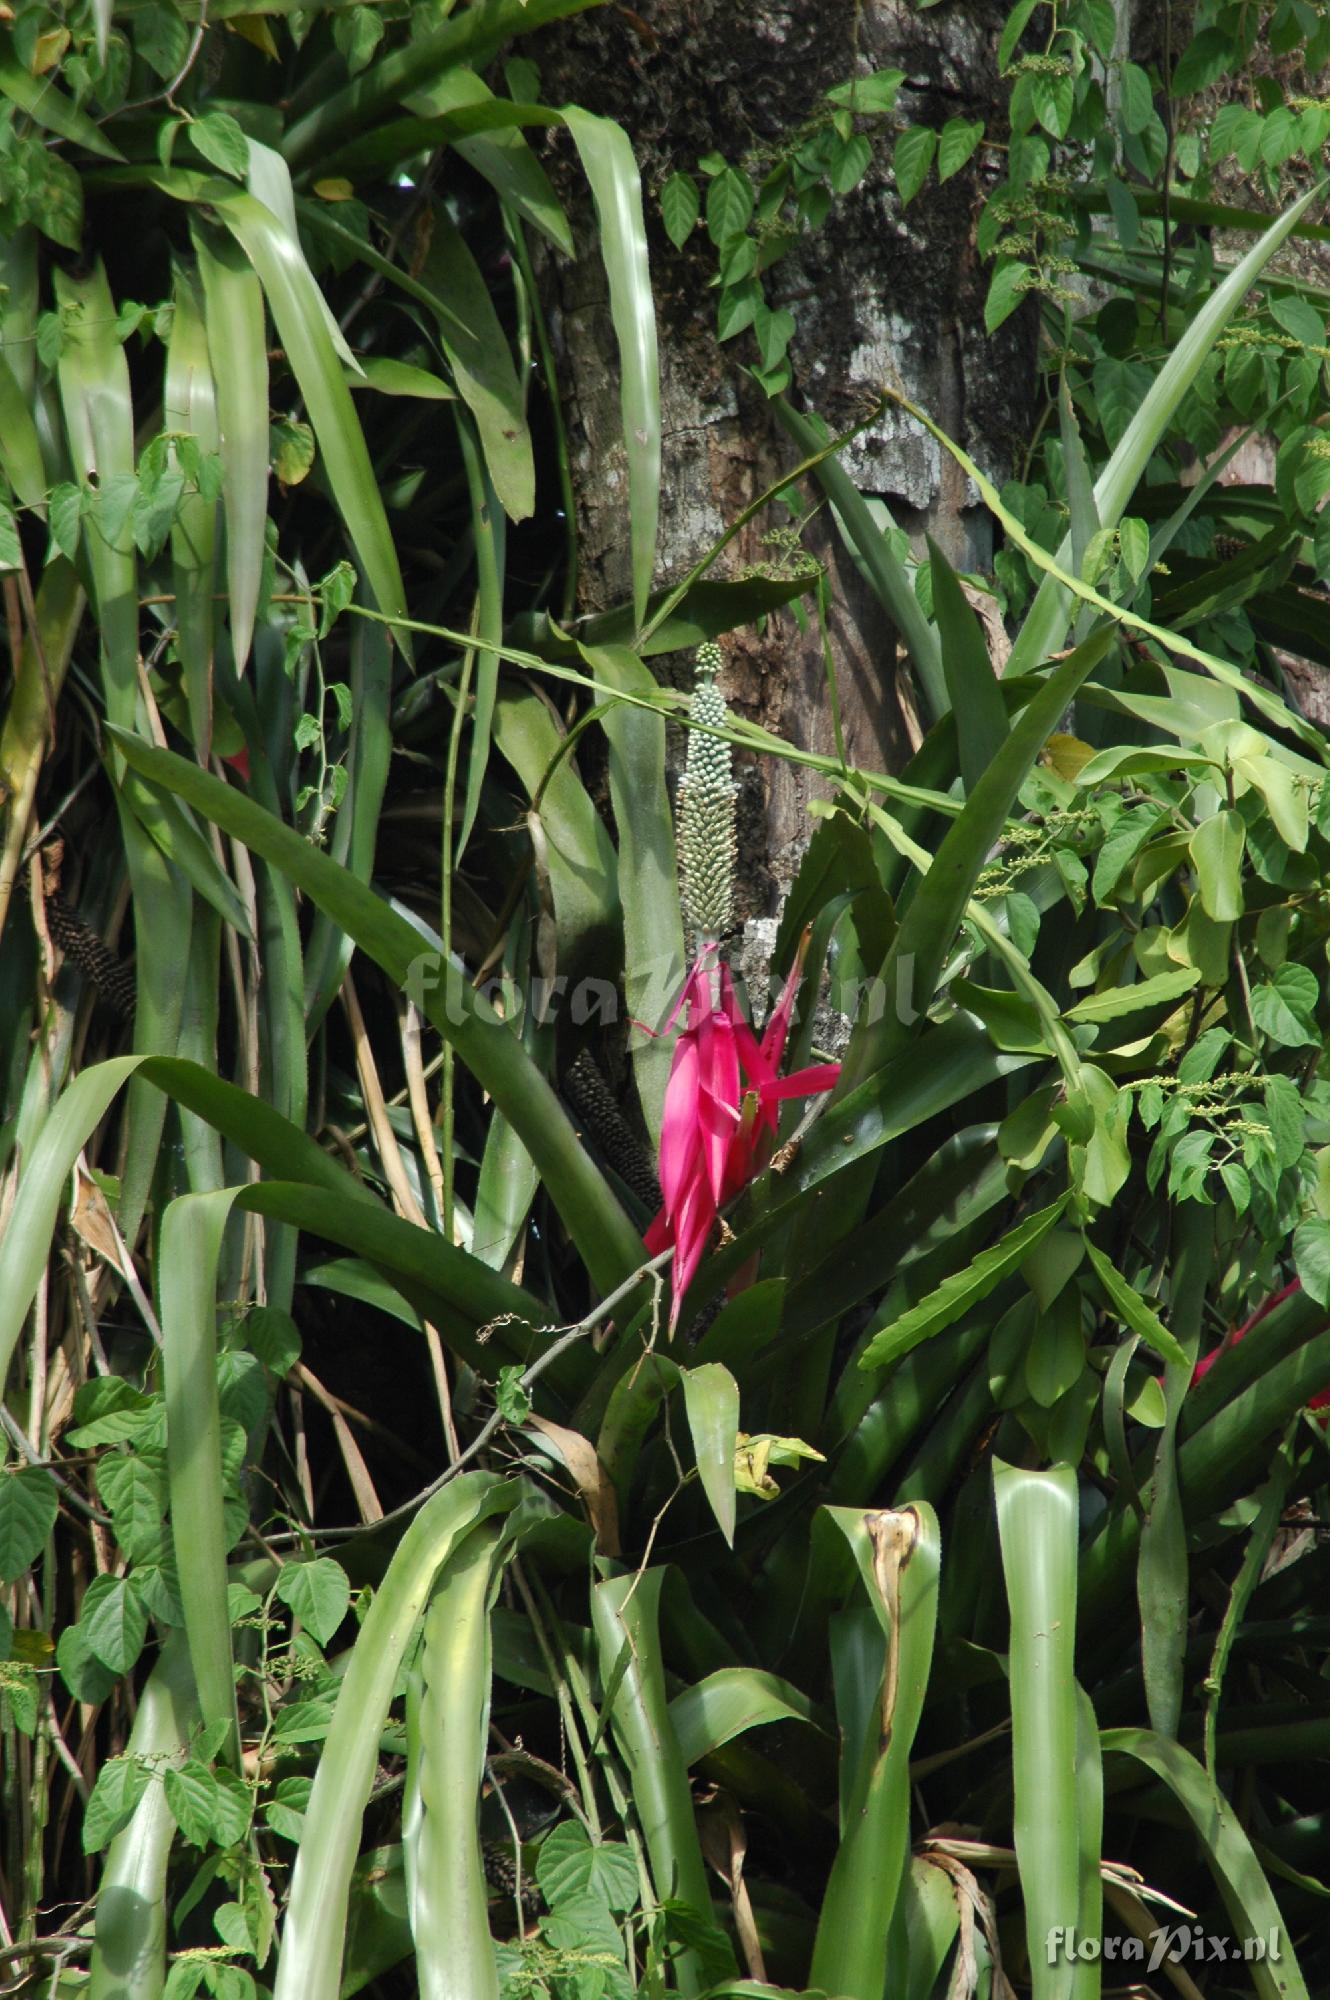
[[707, 793]]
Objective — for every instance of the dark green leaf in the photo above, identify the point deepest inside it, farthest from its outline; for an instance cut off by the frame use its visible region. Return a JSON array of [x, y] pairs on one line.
[[29, 1502], [912, 158], [680, 205], [120, 1785], [115, 1621], [318, 1593]]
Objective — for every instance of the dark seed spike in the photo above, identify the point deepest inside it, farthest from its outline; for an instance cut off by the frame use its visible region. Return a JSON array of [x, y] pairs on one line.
[[112, 977], [593, 1102]]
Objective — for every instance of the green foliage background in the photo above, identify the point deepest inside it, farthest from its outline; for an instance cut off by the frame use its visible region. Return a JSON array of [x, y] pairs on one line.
[[389, 1605]]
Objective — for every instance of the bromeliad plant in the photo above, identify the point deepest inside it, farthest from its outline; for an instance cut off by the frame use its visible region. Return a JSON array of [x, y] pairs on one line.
[[725, 1086], [905, 1634]]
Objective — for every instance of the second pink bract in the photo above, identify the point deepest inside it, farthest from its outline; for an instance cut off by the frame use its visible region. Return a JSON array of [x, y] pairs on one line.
[[721, 1114]]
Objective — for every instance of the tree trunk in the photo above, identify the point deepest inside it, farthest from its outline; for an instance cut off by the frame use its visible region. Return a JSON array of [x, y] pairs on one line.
[[881, 295]]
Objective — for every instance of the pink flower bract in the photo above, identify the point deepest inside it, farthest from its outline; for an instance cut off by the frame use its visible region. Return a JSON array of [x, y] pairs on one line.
[[1321, 1401], [721, 1110]]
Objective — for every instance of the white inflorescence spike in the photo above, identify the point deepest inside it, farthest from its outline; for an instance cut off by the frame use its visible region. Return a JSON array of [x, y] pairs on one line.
[[706, 816]]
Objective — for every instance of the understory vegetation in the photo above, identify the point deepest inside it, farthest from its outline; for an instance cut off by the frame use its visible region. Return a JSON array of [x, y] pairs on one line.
[[899, 1575]]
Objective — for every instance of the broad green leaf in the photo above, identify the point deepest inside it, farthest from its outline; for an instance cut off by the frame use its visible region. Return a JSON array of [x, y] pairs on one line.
[[399, 378], [956, 144], [95, 394], [729, 206], [318, 1593], [447, 1731], [482, 365], [912, 158], [1217, 848], [1037, 1529], [1284, 1008], [1311, 1258], [208, 1805], [711, 1399], [963, 1289], [268, 179], [1285, 796], [299, 310], [1115, 1001], [132, 1485], [569, 1865], [728, 1703], [1095, 1117], [1137, 98], [1010, 284], [1133, 1310], [114, 1620], [191, 1242], [680, 206], [499, 153], [120, 1785], [26, 1241], [20, 451], [29, 1503], [189, 406], [221, 142], [870, 94]]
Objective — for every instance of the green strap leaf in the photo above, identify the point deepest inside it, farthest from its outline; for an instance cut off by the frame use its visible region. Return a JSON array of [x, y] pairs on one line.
[[609, 165], [898, 1557], [1037, 1526], [482, 364], [885, 572], [1227, 1852], [728, 1703], [44, 101], [300, 310], [238, 346], [191, 1244], [310, 1961], [976, 700], [605, 1237]]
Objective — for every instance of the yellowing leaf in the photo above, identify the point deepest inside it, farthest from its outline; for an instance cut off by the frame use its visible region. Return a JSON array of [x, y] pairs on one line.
[[1066, 756], [253, 28], [334, 188], [48, 49], [754, 1456]]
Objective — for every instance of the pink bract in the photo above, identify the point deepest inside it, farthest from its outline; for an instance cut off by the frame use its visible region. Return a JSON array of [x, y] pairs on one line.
[[720, 1110]]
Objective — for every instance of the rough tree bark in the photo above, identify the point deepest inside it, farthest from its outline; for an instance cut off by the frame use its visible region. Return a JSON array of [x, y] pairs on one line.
[[880, 295]]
